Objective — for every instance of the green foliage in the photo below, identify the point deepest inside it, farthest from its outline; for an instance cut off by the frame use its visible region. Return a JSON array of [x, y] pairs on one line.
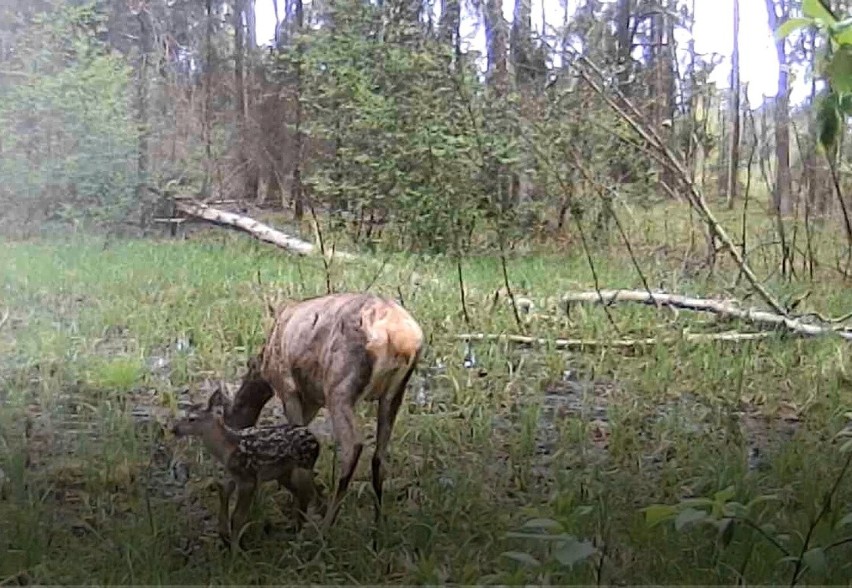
[[402, 136], [69, 138], [834, 106], [756, 518], [561, 549], [407, 135]]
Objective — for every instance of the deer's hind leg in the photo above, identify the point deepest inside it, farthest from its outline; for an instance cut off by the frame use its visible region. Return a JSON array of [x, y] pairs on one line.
[[300, 482], [344, 393], [388, 410]]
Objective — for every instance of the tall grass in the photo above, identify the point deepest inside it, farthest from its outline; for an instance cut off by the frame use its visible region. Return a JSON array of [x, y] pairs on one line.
[[92, 494]]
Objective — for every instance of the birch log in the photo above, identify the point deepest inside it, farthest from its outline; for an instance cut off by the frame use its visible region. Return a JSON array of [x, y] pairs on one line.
[[579, 344], [720, 307], [256, 229]]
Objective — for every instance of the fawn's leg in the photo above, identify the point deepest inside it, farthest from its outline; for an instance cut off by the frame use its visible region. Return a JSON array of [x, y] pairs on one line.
[[245, 493], [300, 483], [225, 491]]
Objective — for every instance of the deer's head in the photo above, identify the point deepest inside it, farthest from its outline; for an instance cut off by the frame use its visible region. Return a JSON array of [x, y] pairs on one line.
[[202, 418]]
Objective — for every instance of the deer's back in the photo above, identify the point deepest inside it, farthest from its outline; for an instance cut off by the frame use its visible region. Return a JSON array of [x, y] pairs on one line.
[[338, 332], [270, 450]]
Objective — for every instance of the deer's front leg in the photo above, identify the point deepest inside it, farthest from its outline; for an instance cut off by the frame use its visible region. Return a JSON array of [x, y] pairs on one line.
[[226, 489], [245, 493]]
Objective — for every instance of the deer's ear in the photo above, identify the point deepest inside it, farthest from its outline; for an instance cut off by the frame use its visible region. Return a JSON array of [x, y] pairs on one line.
[[219, 399], [216, 399], [253, 364]]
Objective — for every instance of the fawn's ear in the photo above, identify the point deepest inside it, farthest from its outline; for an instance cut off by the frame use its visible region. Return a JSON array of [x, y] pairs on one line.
[[216, 400], [253, 364], [219, 401]]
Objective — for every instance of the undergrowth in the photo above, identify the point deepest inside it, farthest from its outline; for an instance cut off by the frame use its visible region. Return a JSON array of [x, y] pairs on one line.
[[530, 466]]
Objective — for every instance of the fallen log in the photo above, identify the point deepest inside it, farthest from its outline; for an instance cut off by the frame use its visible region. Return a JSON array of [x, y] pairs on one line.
[[723, 308], [580, 344], [256, 229]]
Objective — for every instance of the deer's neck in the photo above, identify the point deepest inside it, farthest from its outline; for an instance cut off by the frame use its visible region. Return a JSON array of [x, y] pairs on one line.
[[220, 442], [253, 394]]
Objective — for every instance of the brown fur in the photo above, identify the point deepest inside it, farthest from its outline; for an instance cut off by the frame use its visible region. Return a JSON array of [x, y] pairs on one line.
[[331, 351]]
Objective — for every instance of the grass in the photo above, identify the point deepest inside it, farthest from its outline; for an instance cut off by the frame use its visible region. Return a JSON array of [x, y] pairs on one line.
[[102, 344]]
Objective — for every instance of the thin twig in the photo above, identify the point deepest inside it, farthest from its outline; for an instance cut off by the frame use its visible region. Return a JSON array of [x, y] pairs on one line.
[[509, 288], [375, 278], [325, 261], [593, 270], [580, 231], [746, 194], [4, 318], [826, 504], [847, 222], [599, 188], [838, 543], [767, 536], [461, 292]]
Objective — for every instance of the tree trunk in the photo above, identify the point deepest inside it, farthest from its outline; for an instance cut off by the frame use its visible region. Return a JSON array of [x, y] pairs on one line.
[[146, 43], [277, 23], [248, 187], [781, 199], [296, 187], [207, 123], [818, 180], [663, 100], [448, 28], [251, 26], [496, 41], [497, 77], [734, 159], [624, 38]]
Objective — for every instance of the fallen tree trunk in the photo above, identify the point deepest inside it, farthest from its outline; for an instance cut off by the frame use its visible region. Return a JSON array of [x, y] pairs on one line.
[[256, 229], [580, 344], [719, 307]]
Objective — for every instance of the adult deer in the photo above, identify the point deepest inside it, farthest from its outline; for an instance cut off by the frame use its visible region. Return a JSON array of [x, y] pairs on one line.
[[332, 351]]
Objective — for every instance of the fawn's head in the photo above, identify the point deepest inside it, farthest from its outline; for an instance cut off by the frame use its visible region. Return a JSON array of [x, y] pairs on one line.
[[201, 419]]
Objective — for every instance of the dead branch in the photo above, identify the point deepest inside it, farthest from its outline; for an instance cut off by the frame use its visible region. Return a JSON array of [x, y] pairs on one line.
[[4, 318], [720, 307], [579, 344], [256, 229], [631, 115]]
